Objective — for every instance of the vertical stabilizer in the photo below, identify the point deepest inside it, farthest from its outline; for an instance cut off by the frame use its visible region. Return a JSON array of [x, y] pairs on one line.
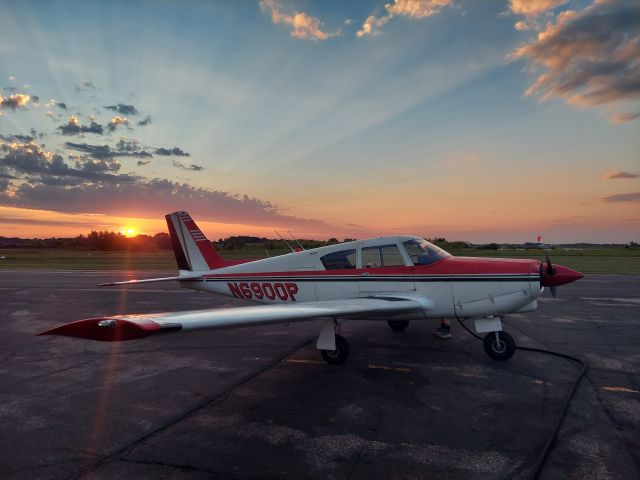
[[192, 249]]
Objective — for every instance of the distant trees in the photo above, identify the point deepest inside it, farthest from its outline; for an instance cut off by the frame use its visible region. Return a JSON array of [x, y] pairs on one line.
[[115, 241]]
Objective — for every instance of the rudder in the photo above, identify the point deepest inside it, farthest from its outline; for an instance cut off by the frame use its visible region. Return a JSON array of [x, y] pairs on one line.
[[191, 248]]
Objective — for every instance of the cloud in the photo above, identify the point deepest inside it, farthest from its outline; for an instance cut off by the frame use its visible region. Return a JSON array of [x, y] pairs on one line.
[[146, 121], [617, 174], [150, 198], [142, 163], [623, 197], [73, 127], [522, 25], [18, 138], [85, 85], [42, 166], [54, 103], [116, 121], [623, 117], [407, 8], [304, 26], [15, 101], [165, 152], [589, 57], [105, 151], [123, 109], [193, 167], [534, 7], [125, 145]]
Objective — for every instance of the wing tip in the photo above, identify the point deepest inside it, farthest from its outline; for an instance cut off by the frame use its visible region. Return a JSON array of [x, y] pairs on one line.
[[105, 329]]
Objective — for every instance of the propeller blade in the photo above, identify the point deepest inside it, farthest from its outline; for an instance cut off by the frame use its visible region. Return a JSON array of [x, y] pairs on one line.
[[550, 269]]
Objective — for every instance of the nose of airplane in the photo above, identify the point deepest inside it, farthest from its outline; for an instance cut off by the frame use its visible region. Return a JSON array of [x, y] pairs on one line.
[[558, 275]]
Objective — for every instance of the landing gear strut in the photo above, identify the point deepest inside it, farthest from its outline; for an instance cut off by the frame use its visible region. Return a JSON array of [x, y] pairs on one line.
[[398, 325], [339, 355], [499, 345]]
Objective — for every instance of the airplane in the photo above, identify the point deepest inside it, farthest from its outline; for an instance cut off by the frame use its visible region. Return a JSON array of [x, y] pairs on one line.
[[396, 279]]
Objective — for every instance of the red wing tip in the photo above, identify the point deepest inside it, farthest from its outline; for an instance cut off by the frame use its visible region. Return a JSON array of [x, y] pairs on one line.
[[105, 329]]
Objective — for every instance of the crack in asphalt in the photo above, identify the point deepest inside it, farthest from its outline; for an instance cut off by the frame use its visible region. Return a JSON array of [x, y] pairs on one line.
[[184, 468], [125, 450]]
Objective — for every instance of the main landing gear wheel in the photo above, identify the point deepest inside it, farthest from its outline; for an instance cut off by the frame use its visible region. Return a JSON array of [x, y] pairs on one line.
[[398, 325], [339, 355], [499, 345]]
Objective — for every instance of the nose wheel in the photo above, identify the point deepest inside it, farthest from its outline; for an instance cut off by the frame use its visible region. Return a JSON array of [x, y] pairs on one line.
[[339, 355], [499, 345]]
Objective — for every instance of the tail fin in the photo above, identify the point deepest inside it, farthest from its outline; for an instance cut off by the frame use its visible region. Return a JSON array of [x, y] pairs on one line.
[[192, 249]]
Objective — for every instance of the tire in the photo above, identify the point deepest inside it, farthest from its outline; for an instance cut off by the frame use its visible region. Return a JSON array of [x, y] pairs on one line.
[[398, 325], [502, 349], [339, 355]]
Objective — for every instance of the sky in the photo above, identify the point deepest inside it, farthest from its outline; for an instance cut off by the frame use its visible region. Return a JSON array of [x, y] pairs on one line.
[[471, 120]]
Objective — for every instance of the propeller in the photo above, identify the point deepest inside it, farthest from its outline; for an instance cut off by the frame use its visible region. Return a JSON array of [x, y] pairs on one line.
[[553, 275], [550, 269], [550, 272]]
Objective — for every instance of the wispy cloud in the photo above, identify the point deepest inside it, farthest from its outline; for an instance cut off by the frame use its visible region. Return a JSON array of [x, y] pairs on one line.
[[73, 127], [407, 8], [145, 121], [123, 109], [534, 7], [303, 25], [617, 174], [175, 151], [182, 166], [623, 197], [105, 151], [85, 85], [624, 117], [589, 57]]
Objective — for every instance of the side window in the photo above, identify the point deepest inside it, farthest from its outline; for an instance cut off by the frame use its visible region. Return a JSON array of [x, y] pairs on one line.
[[391, 256], [382, 256], [371, 257], [341, 260]]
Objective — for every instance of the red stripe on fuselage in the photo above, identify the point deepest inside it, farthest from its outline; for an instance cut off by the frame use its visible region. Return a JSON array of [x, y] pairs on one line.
[[447, 266]]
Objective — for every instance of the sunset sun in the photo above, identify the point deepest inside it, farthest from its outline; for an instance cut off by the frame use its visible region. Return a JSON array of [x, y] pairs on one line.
[[129, 232]]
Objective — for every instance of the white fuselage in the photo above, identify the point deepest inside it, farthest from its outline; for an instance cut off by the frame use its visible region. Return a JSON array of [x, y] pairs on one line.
[[469, 288]]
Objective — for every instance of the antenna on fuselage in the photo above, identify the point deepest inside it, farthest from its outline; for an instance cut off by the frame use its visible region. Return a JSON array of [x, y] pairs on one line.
[[296, 240], [285, 242]]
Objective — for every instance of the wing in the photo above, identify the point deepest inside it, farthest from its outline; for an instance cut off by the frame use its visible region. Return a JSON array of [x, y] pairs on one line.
[[151, 280], [131, 327]]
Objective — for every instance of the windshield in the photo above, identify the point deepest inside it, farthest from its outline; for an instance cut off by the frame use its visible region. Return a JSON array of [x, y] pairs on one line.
[[422, 252]]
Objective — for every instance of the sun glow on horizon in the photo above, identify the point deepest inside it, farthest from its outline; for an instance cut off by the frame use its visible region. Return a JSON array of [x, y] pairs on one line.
[[129, 232]]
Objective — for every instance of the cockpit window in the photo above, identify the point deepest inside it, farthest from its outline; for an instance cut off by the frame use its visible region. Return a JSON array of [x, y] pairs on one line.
[[382, 256], [342, 260], [422, 252]]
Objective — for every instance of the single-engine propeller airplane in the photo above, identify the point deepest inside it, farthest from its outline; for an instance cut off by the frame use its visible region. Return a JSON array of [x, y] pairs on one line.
[[395, 279]]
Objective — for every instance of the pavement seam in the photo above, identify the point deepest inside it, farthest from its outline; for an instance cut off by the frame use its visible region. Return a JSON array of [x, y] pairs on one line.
[[123, 451]]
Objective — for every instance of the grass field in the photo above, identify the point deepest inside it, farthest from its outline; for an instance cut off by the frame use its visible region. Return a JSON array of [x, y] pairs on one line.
[[593, 260]]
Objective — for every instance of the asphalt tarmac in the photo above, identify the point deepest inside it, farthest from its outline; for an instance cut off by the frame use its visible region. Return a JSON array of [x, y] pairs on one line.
[[261, 403]]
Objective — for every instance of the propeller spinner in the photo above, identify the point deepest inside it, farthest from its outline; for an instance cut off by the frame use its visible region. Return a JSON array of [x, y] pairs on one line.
[[554, 275]]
